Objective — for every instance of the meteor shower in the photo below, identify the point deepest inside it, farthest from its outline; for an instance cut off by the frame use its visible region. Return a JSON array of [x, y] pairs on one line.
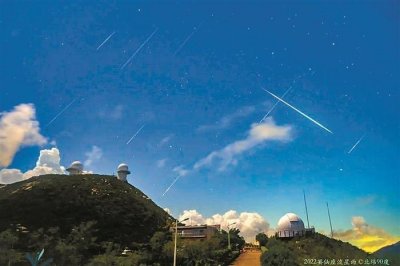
[[246, 133]]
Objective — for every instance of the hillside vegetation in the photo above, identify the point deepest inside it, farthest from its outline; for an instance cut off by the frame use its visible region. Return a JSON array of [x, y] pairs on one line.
[[122, 212], [79, 215], [391, 252], [315, 250], [89, 220]]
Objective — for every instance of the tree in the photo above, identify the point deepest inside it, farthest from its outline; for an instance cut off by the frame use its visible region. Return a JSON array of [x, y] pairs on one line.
[[278, 254], [8, 255], [157, 242], [77, 246], [237, 241], [262, 239]]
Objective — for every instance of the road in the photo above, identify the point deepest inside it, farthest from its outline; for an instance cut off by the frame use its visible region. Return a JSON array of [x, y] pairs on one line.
[[248, 258]]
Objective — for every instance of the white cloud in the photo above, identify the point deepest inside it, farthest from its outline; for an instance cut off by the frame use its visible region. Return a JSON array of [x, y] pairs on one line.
[[228, 120], [249, 223], [18, 128], [93, 155], [194, 217], [47, 163], [363, 235], [165, 140], [167, 210], [161, 163], [258, 135], [181, 170], [8, 176]]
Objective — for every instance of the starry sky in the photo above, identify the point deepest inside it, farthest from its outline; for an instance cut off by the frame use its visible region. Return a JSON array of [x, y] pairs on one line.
[[176, 91]]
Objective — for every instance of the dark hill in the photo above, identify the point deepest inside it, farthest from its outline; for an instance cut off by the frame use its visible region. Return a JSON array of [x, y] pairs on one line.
[[391, 252], [123, 214], [391, 249], [310, 250]]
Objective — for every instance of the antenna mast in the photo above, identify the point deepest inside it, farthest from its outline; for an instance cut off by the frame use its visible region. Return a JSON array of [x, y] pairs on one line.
[[330, 222], [305, 203]]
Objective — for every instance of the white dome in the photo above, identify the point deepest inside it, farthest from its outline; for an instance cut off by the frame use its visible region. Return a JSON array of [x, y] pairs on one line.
[[77, 165], [123, 167], [290, 222]]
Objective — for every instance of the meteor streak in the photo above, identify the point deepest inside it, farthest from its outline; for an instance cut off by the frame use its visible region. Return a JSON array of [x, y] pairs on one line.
[[273, 107], [355, 145], [173, 183], [105, 40], [300, 112], [60, 113], [187, 39], [137, 132], [138, 49]]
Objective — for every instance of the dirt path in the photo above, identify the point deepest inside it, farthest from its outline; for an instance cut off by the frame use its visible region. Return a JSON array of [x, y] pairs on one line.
[[248, 258]]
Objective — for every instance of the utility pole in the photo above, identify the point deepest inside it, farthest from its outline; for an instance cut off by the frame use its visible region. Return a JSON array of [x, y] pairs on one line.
[[330, 222], [229, 236], [176, 237], [305, 203]]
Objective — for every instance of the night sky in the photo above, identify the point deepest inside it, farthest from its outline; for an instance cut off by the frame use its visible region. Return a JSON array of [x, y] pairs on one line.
[[190, 78]]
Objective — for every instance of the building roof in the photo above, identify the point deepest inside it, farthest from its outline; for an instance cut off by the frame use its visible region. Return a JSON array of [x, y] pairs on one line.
[[290, 222], [77, 165], [123, 168]]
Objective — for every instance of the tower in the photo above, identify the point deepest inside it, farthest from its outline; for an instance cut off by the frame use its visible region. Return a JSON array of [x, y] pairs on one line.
[[305, 204], [76, 168], [123, 172], [329, 216]]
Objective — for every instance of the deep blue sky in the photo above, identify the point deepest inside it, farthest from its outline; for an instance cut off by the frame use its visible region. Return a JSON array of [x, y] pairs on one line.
[[341, 59]]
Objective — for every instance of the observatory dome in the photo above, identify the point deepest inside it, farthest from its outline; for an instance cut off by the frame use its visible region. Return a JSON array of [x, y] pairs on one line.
[[122, 172], [77, 165], [123, 167], [75, 168], [290, 225]]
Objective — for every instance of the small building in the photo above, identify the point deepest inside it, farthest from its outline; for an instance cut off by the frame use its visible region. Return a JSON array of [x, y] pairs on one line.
[[199, 232], [76, 168], [290, 225], [123, 172]]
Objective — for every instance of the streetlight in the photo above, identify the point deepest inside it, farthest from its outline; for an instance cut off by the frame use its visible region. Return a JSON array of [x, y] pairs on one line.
[[229, 236], [176, 236]]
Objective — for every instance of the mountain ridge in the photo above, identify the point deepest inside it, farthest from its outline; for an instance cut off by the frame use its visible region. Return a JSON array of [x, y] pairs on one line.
[[123, 213]]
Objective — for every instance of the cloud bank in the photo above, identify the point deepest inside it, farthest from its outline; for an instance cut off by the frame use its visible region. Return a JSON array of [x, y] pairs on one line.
[[365, 236], [18, 128], [93, 155], [165, 140], [258, 135], [249, 223], [47, 163]]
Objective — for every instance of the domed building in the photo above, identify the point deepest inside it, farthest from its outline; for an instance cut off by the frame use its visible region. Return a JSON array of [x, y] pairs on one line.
[[290, 225], [76, 168], [123, 172]]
